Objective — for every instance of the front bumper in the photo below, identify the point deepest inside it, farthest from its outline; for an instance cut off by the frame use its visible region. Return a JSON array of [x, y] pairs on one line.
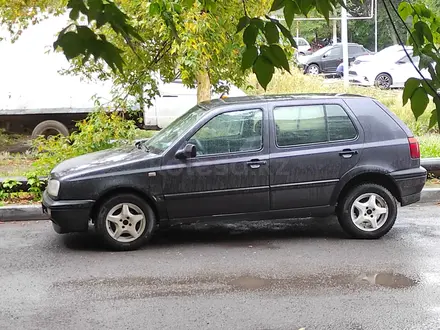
[[68, 216], [359, 80], [410, 184]]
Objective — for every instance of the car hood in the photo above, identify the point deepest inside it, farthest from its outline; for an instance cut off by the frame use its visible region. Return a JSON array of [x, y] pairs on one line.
[[100, 160]]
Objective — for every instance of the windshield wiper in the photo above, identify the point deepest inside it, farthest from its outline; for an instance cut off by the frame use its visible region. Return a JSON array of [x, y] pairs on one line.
[[141, 145]]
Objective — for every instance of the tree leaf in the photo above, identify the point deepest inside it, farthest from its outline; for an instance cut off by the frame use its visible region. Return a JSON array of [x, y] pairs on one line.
[[289, 12], [410, 86], [271, 32], [242, 23], [264, 71], [70, 43], [323, 7], [419, 102], [433, 119], [78, 5], [416, 39], [250, 35], [258, 22], [74, 14], [287, 34], [249, 57], [277, 4], [423, 30], [305, 6], [278, 57], [154, 8], [188, 3], [405, 10], [419, 33]]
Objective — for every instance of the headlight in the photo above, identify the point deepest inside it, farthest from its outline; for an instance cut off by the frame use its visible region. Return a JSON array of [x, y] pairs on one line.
[[53, 187]]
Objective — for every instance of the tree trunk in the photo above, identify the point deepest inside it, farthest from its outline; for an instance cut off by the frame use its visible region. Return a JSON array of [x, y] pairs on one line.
[[392, 34], [203, 87]]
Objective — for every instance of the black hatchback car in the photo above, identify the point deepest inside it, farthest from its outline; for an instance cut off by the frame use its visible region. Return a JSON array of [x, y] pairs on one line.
[[327, 59], [249, 158]]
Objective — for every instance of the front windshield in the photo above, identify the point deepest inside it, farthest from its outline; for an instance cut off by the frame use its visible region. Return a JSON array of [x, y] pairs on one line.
[[322, 50], [168, 135]]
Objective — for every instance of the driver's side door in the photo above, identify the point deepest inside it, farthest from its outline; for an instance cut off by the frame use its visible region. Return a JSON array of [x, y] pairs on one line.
[[331, 59], [230, 172]]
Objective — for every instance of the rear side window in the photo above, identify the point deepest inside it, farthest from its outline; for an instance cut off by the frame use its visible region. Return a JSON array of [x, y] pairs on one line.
[[297, 125]]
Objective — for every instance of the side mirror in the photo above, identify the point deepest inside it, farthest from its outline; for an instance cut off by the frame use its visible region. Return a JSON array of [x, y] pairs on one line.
[[189, 151]]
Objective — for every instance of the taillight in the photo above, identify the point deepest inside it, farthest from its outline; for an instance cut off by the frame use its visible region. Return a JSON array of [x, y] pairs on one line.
[[414, 148]]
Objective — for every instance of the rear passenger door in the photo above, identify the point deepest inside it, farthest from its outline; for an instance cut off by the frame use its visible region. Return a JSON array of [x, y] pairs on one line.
[[313, 145]]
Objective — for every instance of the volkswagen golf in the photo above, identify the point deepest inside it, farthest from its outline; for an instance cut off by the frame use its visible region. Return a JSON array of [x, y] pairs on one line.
[[246, 158]]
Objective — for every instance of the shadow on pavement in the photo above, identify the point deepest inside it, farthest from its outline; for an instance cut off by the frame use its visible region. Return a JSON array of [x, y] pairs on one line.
[[241, 234]]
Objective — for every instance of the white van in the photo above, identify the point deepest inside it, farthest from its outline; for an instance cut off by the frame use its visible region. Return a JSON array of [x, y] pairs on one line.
[[174, 100], [35, 99]]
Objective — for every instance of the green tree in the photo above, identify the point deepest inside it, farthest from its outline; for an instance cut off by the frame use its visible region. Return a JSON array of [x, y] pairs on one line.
[[263, 37]]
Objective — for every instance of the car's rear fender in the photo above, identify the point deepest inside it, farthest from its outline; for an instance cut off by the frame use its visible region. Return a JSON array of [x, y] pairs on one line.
[[365, 174]]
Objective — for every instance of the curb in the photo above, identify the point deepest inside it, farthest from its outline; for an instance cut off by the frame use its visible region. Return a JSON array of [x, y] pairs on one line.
[[22, 213], [429, 195], [35, 212]]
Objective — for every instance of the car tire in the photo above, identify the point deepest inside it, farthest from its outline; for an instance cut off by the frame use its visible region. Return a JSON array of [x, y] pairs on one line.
[[362, 216], [46, 127], [313, 69], [383, 81], [122, 230]]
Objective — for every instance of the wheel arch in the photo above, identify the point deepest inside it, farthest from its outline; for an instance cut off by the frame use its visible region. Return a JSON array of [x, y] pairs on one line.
[[151, 200], [376, 177]]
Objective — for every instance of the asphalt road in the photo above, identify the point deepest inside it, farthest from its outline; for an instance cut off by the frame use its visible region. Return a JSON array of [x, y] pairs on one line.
[[262, 275]]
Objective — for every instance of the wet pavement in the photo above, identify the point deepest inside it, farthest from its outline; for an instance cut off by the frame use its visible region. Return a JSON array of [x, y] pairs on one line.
[[250, 275]]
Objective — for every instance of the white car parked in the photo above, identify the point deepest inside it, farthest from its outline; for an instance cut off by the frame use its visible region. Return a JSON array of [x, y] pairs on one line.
[[388, 51], [304, 47], [388, 70]]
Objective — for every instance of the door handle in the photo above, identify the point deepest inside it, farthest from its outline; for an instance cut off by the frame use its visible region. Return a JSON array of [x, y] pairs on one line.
[[256, 163], [348, 153]]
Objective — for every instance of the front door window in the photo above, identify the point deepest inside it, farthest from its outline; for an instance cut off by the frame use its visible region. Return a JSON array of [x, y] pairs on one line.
[[230, 132]]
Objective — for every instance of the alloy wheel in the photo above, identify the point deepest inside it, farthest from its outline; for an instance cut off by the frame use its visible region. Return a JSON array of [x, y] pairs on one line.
[[369, 212]]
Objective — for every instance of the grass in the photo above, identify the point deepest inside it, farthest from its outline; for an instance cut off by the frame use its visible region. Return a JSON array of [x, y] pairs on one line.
[[430, 145], [15, 164]]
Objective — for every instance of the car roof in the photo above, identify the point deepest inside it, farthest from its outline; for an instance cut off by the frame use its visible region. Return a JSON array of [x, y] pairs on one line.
[[274, 97]]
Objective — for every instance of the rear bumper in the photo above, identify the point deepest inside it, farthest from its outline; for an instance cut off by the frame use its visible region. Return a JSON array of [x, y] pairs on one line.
[[410, 184], [68, 216]]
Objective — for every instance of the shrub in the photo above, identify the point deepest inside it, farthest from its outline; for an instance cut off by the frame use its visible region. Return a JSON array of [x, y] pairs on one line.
[[100, 130]]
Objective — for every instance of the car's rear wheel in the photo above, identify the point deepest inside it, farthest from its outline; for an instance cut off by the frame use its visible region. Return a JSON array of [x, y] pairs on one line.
[[383, 81], [313, 69], [125, 222], [367, 211]]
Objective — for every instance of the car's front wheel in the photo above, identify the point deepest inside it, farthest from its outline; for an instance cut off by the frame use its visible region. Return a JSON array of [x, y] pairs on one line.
[[367, 211], [383, 81], [313, 69], [125, 222]]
